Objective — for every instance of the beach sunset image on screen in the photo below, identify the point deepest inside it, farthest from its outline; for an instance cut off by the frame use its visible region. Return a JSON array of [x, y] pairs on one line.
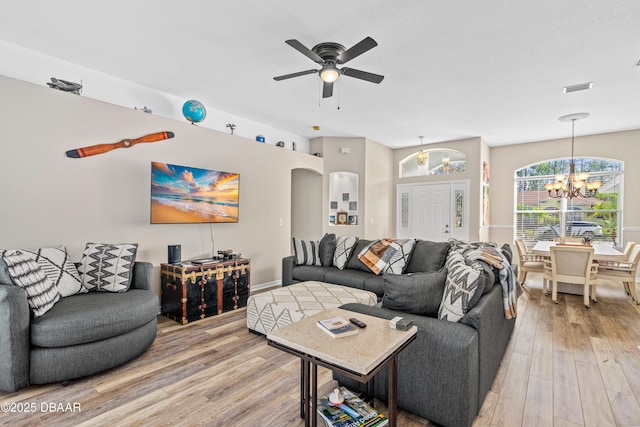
[[181, 194]]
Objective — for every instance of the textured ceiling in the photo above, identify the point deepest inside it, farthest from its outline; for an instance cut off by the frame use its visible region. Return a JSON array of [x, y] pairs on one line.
[[453, 69]]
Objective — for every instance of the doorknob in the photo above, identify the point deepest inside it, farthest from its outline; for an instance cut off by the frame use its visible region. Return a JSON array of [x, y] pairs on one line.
[[446, 228]]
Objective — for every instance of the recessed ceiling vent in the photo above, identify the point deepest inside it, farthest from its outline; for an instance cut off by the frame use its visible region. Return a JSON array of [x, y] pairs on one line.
[[578, 87]]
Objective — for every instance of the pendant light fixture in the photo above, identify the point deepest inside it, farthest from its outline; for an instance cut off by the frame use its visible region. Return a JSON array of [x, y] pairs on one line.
[[422, 155], [572, 186]]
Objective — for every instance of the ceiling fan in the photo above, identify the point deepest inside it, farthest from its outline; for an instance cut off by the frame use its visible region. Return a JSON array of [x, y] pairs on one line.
[[329, 55]]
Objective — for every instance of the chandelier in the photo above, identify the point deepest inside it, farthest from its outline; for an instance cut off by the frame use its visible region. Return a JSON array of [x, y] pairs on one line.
[[422, 155], [572, 186]]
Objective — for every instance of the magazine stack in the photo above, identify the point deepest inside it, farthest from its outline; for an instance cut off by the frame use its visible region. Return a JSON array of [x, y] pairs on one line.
[[353, 412]]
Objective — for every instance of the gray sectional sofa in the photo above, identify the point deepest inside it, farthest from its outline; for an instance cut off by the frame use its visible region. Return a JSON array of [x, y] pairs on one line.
[[445, 374], [81, 335]]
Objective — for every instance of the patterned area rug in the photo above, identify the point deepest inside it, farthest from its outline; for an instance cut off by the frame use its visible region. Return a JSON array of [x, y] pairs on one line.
[[271, 310]]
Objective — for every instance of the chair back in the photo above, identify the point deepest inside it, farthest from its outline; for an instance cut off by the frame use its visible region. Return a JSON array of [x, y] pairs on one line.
[[522, 250], [628, 249], [571, 264], [634, 259]]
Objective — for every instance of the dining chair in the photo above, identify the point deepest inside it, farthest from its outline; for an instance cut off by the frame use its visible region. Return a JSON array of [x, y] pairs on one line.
[[529, 263], [623, 271], [571, 264], [568, 239]]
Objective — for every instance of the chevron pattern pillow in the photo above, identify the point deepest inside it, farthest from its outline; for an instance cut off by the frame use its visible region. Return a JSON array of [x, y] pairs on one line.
[[344, 247], [107, 267], [463, 288], [42, 293], [57, 265]]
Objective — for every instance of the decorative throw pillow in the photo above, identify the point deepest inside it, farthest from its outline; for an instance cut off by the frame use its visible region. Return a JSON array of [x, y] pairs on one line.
[[344, 247], [463, 288], [427, 256], [327, 249], [400, 258], [107, 267], [42, 293], [417, 293], [307, 252], [57, 265]]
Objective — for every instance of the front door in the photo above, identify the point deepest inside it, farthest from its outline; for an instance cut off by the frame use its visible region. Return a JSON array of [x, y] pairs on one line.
[[429, 212]]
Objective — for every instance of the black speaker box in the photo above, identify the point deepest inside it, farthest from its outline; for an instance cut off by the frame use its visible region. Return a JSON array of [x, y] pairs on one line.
[[174, 254]]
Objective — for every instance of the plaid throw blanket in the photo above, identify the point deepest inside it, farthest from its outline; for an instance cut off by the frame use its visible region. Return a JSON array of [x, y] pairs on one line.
[[377, 254], [488, 253]]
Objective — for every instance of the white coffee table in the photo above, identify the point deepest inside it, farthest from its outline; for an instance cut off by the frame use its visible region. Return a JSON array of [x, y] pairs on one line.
[[359, 357]]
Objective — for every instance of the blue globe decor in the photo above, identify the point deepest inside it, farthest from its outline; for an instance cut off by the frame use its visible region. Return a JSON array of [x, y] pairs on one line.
[[194, 111]]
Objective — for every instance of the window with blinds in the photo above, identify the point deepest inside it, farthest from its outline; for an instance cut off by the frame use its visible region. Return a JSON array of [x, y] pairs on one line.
[[538, 216]]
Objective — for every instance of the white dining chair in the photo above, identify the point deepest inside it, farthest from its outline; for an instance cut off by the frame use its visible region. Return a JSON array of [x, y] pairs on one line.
[[623, 271], [571, 264], [529, 263]]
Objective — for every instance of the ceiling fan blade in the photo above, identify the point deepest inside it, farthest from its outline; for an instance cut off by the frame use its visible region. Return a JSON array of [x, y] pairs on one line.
[[327, 89], [304, 50], [292, 75], [362, 75], [358, 49]]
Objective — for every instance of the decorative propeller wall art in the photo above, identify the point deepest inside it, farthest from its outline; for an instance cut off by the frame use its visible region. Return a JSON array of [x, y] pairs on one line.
[[125, 143]]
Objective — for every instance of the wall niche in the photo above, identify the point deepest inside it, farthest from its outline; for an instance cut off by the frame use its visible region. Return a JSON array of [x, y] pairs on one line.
[[343, 198]]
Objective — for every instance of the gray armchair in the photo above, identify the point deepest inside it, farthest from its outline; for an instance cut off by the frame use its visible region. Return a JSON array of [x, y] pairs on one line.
[[81, 335]]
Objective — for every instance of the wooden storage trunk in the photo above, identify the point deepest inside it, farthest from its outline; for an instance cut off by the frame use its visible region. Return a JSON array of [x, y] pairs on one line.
[[193, 292]]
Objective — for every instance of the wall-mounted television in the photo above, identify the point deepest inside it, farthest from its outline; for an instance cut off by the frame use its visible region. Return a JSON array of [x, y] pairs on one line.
[[186, 195]]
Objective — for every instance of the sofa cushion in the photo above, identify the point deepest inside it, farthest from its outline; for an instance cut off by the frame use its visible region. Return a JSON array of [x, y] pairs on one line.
[[307, 252], [346, 277], [42, 292], [416, 293], [310, 272], [327, 249], [354, 262], [57, 265], [344, 247], [427, 256], [92, 317], [107, 267], [375, 284], [463, 288]]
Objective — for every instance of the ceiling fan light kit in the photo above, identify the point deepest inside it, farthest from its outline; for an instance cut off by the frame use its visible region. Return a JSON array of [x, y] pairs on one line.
[[329, 55]]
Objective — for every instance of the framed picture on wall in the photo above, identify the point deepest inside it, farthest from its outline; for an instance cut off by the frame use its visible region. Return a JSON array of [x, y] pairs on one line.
[[342, 218], [353, 206], [332, 219], [334, 205], [353, 219], [345, 197]]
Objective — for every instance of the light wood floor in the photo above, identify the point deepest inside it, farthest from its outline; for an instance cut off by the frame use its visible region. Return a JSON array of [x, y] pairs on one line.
[[565, 366]]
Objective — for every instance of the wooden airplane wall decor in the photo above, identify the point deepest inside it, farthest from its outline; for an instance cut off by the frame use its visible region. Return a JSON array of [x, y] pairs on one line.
[[125, 143]]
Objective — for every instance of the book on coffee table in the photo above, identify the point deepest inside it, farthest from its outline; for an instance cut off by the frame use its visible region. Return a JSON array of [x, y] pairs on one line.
[[337, 327]]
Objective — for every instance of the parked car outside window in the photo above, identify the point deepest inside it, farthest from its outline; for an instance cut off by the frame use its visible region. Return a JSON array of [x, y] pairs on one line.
[[586, 229]]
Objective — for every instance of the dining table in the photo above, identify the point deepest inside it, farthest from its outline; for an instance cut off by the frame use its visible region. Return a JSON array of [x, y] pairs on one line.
[[602, 252]]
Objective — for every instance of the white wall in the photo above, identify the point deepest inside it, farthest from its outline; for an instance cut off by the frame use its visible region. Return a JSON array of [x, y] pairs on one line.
[[49, 199], [35, 67], [506, 160]]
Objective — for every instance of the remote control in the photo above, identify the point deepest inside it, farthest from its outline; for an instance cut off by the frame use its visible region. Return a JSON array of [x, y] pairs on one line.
[[358, 323]]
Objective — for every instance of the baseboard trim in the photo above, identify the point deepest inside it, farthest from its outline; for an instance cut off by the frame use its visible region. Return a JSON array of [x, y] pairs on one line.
[[261, 287]]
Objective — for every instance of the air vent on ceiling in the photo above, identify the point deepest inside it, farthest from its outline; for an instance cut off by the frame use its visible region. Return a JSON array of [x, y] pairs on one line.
[[578, 87]]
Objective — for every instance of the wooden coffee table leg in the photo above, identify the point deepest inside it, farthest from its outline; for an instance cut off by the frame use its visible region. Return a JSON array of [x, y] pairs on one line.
[[393, 388]]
